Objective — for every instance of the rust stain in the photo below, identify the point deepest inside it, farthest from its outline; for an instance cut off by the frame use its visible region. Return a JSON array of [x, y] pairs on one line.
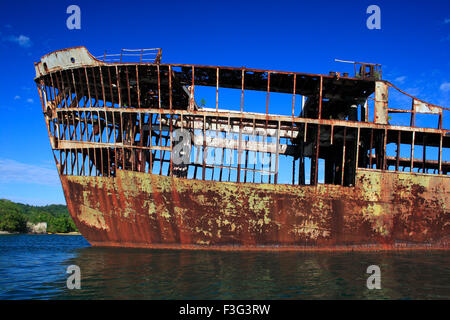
[[179, 212]]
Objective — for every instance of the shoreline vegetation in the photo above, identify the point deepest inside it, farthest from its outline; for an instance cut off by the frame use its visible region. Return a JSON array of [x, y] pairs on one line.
[[18, 218], [75, 233]]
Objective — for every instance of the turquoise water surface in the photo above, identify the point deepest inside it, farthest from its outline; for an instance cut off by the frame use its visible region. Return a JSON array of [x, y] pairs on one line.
[[34, 267]]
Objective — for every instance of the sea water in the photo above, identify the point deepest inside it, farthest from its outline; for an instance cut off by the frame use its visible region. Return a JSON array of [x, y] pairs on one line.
[[35, 267]]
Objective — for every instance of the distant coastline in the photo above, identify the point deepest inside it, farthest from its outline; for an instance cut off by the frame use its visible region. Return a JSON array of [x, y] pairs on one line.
[[18, 218], [48, 233]]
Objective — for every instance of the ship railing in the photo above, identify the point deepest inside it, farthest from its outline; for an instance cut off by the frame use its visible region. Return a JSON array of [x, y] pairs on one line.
[[152, 55], [407, 110]]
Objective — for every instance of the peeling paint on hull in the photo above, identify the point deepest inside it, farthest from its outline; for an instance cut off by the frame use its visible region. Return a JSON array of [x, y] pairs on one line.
[[385, 210]]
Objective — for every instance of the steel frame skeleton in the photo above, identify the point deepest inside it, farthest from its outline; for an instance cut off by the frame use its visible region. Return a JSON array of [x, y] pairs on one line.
[[114, 116]]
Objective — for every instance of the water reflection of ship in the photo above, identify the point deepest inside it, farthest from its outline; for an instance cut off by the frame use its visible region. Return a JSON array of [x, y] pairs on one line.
[[178, 274]]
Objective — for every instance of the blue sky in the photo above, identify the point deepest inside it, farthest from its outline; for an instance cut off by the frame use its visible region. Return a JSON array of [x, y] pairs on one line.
[[304, 36]]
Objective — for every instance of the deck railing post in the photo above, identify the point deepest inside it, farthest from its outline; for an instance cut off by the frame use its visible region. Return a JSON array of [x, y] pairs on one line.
[[412, 151], [440, 154]]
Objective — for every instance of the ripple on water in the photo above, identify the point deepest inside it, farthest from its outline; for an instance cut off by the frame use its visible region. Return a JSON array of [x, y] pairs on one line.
[[34, 267]]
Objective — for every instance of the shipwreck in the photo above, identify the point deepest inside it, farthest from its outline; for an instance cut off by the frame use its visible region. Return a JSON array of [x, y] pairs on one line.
[[158, 155]]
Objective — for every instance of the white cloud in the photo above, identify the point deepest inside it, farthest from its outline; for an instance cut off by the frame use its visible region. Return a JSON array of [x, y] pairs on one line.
[[29, 100], [445, 86], [413, 91], [447, 38], [16, 97], [12, 171], [400, 79], [447, 21], [23, 41]]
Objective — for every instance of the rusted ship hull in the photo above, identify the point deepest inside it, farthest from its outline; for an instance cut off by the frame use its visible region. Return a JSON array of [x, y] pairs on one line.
[[148, 157], [383, 211]]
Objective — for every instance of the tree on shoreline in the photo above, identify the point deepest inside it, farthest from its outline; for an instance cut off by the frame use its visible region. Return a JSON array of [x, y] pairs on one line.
[[14, 217], [13, 222]]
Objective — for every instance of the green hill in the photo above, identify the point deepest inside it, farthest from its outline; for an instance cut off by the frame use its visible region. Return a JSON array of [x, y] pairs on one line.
[[14, 217]]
